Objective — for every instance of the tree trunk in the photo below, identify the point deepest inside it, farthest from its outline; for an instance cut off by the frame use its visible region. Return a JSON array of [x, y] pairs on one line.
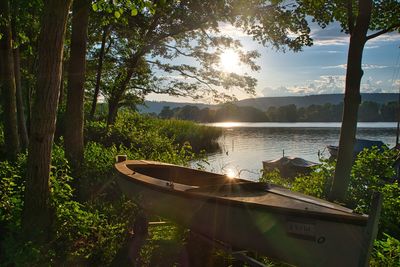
[[352, 100], [22, 130], [7, 83], [99, 71], [37, 209], [61, 96], [120, 88], [74, 116], [112, 111]]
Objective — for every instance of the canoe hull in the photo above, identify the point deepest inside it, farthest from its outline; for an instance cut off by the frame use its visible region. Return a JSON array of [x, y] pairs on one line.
[[288, 237]]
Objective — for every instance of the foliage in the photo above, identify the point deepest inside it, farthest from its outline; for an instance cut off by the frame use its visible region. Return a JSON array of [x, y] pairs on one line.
[[383, 15], [318, 183], [372, 171], [386, 252], [88, 232], [152, 137], [11, 188], [274, 177], [199, 137]]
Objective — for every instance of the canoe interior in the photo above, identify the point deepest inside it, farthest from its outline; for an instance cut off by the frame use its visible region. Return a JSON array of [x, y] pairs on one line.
[[196, 182], [181, 175]]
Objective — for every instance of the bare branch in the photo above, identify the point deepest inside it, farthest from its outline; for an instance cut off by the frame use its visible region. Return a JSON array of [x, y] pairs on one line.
[[183, 73], [394, 26], [179, 51]]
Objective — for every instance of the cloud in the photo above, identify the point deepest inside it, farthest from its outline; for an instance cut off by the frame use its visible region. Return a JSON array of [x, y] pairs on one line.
[[327, 84], [364, 66], [373, 66], [371, 46], [278, 91], [371, 86], [387, 37], [333, 36], [340, 66]]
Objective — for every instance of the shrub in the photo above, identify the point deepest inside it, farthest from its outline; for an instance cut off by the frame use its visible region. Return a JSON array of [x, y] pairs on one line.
[[386, 252], [371, 171], [150, 134], [319, 182], [200, 137], [89, 232], [275, 177]]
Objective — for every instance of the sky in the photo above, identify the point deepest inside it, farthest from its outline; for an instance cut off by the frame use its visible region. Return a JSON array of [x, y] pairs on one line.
[[319, 69]]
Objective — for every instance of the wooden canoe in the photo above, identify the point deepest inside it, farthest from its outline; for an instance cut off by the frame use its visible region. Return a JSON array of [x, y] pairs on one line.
[[259, 217]]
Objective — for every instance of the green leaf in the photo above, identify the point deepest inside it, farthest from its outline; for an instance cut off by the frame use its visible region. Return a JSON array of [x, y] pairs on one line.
[[95, 7], [134, 12], [117, 14]]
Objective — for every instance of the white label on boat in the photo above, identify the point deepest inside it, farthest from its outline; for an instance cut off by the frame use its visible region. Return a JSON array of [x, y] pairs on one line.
[[301, 230]]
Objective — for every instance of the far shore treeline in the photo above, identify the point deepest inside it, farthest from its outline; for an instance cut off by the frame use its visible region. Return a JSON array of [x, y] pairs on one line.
[[369, 112]]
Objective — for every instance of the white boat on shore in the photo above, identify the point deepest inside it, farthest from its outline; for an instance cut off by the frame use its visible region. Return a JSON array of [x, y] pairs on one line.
[[259, 217]]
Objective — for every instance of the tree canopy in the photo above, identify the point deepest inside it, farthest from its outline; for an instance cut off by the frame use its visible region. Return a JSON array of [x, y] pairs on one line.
[[154, 51]]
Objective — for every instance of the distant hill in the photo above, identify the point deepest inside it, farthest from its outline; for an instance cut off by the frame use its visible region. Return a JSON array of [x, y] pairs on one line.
[[263, 103]]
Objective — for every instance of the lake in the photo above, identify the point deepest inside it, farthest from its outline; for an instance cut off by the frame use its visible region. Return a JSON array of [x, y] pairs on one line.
[[245, 145]]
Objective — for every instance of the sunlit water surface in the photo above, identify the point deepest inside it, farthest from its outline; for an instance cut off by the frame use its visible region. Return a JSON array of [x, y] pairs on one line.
[[245, 145]]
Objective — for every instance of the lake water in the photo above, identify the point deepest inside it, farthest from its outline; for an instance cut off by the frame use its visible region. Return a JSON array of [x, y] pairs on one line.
[[245, 145]]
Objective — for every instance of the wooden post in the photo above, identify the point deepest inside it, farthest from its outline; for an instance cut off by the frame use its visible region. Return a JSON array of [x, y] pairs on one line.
[[199, 251], [129, 254], [121, 158], [372, 229]]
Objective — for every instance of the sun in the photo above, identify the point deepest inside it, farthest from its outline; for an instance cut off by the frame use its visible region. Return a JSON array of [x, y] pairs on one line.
[[229, 61]]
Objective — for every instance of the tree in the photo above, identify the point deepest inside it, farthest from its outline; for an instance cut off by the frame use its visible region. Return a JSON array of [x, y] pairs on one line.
[[74, 116], [26, 19], [357, 18], [189, 29], [22, 130], [390, 111], [288, 113], [99, 71], [369, 111], [166, 113], [37, 211], [7, 82]]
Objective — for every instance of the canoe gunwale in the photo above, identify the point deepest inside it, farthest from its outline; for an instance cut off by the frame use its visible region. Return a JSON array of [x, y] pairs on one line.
[[189, 192]]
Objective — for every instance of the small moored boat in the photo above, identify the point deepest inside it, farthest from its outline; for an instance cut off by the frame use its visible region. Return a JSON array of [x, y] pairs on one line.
[[259, 217], [289, 166], [359, 146]]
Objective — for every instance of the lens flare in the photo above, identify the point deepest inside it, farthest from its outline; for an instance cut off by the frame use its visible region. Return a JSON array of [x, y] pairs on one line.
[[230, 173]]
